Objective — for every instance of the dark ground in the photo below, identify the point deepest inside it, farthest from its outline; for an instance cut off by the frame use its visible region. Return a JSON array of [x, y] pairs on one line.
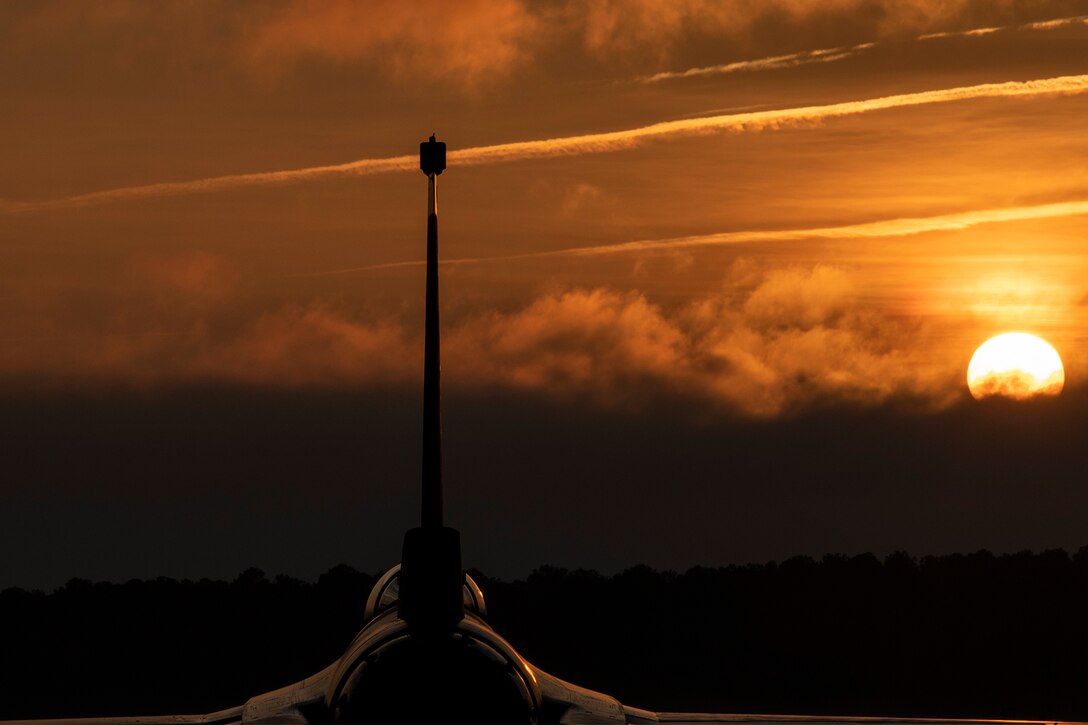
[[955, 636]]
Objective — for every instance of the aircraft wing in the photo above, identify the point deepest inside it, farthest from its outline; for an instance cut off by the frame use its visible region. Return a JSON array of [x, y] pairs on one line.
[[568, 703], [561, 702], [634, 715], [286, 705], [231, 716], [554, 700]]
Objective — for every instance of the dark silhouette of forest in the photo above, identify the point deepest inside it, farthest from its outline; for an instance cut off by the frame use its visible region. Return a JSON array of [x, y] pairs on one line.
[[974, 635]]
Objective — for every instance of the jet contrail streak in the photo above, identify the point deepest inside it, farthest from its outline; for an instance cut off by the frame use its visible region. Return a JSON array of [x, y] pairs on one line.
[[827, 55], [830, 54], [968, 33], [1059, 23], [805, 57], [577, 145], [868, 230], [760, 120], [215, 183], [885, 228]]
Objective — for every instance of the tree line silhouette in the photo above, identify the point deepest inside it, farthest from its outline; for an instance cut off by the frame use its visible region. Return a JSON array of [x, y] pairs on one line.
[[973, 635]]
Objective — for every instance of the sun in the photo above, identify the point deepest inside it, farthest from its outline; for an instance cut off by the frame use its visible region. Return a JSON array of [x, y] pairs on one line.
[[1015, 365]]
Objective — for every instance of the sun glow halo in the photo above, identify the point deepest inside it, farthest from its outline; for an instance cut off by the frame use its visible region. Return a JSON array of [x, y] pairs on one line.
[[1015, 365]]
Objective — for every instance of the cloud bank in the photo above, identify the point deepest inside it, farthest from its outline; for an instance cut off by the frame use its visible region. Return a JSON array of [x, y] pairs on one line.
[[765, 344], [797, 339]]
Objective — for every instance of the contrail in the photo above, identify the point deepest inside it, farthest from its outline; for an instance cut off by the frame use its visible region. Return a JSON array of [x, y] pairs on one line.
[[577, 145], [774, 62], [900, 227], [1060, 22], [215, 183], [828, 55], [885, 228], [974, 32]]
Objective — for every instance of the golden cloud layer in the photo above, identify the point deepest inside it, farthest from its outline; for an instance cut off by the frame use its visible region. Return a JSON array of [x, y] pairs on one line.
[[796, 338]]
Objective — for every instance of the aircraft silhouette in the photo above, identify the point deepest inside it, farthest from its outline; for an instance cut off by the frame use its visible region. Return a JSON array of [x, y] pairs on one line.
[[426, 652]]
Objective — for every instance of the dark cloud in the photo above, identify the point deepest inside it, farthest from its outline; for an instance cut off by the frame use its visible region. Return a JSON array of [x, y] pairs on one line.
[[205, 481]]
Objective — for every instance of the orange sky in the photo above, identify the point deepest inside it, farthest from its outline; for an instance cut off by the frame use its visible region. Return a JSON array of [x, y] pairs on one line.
[[230, 279], [747, 208]]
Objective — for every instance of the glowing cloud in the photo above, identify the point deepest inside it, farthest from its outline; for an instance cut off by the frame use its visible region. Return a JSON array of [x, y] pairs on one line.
[[796, 338]]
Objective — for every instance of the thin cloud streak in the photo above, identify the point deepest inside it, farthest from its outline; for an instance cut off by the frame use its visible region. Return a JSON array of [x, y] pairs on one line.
[[363, 167], [970, 33], [902, 227], [760, 120], [886, 228], [828, 55], [578, 145], [1040, 25], [1059, 23], [774, 62]]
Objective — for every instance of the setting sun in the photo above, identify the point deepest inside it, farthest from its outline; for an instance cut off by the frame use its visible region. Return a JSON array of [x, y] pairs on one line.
[[1015, 365]]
